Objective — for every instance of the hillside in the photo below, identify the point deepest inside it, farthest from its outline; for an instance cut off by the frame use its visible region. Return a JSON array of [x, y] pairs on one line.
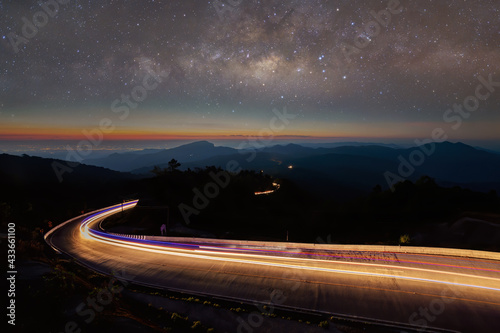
[[195, 151], [332, 171], [32, 193]]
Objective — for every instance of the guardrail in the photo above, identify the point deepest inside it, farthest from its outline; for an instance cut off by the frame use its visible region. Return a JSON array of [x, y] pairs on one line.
[[336, 247], [310, 246]]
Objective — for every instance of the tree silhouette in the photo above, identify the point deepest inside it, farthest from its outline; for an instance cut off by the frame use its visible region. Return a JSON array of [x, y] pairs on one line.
[[173, 165], [157, 171]]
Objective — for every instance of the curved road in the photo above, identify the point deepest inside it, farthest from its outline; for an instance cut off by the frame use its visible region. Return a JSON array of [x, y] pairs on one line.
[[413, 291]]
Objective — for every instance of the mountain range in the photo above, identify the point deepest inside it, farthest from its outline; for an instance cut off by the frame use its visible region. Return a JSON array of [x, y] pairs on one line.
[[190, 152], [354, 166]]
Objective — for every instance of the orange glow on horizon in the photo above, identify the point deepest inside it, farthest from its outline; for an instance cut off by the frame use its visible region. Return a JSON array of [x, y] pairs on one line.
[[347, 131], [160, 137], [145, 135]]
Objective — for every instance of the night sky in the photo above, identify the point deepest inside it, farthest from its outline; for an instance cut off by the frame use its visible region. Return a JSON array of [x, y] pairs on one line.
[[222, 67]]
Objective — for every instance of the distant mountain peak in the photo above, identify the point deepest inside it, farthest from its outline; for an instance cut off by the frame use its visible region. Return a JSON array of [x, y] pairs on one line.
[[294, 145], [455, 145], [202, 143]]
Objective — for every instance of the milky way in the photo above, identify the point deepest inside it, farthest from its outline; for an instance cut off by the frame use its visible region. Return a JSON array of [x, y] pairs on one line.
[[343, 67]]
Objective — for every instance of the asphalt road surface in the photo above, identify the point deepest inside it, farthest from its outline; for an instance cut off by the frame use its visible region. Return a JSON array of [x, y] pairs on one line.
[[426, 292]]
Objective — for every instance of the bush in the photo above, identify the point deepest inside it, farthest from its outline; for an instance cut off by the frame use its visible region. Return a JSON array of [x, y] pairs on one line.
[[404, 239]]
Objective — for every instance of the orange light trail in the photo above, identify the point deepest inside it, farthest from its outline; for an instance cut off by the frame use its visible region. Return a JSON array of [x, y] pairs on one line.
[[208, 253]]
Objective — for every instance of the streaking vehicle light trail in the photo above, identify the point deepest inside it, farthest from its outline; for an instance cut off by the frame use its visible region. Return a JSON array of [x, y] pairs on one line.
[[177, 249], [245, 270]]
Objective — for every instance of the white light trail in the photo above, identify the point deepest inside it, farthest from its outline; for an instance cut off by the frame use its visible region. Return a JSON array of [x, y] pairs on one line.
[[90, 234]]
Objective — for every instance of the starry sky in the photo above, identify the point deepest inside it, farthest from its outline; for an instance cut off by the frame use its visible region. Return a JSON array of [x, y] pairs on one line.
[[218, 69]]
